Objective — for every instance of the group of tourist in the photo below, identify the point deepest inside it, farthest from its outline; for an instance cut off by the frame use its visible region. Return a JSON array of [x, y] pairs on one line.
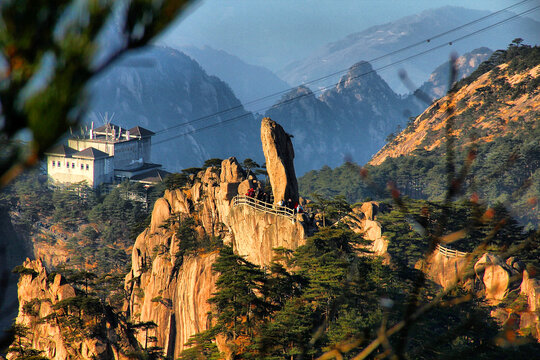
[[259, 195], [266, 198], [296, 207]]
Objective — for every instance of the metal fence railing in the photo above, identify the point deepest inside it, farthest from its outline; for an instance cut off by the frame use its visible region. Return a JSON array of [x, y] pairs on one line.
[[450, 252], [264, 206]]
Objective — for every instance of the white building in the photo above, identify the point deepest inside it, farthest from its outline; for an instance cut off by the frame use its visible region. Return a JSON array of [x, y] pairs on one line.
[[107, 154]]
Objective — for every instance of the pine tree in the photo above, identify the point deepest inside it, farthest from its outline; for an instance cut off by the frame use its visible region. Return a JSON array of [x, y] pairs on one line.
[[239, 301]]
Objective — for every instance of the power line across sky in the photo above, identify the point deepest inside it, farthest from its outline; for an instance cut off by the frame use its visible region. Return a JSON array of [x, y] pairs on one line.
[[428, 40]]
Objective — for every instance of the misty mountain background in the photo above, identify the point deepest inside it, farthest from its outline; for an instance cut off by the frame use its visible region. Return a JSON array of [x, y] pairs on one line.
[[159, 88], [382, 39]]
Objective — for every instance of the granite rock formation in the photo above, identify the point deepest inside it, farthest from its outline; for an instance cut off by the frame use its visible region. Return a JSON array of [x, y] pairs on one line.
[[172, 290], [363, 221], [39, 294], [496, 277], [279, 153]]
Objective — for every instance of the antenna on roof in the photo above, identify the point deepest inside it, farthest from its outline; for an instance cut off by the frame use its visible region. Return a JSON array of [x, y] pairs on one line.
[[101, 118]]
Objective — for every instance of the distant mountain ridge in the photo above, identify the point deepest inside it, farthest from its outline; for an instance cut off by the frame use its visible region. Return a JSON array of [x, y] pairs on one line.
[[159, 88], [249, 82], [382, 39], [349, 121]]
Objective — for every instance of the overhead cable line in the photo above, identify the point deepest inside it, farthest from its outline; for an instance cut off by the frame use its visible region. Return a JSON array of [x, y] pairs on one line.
[[449, 43], [408, 47]]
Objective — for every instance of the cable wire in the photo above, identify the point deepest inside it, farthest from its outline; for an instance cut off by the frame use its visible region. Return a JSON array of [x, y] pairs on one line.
[[428, 40], [449, 43]]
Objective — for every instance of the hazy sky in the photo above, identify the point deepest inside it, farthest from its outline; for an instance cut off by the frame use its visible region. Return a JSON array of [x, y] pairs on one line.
[[273, 33]]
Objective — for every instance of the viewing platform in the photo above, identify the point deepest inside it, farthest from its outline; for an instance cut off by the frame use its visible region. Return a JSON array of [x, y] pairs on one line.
[[265, 207], [450, 253]]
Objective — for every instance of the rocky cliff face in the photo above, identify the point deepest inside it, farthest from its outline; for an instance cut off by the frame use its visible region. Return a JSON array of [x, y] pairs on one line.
[[444, 270], [63, 332], [166, 287], [271, 231], [172, 290]]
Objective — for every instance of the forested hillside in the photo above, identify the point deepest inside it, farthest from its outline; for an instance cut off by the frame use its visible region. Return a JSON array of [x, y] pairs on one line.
[[77, 226], [493, 127]]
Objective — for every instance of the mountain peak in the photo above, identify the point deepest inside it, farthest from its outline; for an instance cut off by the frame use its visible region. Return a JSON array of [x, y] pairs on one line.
[[359, 69], [361, 77]]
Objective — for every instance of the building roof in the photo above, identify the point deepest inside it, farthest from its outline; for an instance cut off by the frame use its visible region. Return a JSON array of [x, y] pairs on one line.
[[152, 176], [139, 166], [90, 153], [107, 128], [140, 131], [61, 150]]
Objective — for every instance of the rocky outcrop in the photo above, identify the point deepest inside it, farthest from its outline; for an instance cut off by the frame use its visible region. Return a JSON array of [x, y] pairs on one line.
[[530, 318], [495, 275], [279, 153], [445, 270], [173, 290], [48, 324], [370, 209], [362, 221], [170, 289], [530, 287], [231, 171]]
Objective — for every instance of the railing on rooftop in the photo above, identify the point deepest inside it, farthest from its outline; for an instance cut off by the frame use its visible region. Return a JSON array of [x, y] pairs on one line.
[[264, 206], [450, 252]]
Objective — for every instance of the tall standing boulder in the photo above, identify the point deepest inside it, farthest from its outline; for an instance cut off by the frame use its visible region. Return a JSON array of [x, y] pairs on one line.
[[231, 171], [279, 154]]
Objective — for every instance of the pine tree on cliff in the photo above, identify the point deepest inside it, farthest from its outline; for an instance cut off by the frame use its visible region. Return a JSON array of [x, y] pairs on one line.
[[240, 308], [20, 349]]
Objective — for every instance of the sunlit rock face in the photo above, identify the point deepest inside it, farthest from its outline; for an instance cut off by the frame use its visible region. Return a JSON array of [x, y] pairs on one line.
[[256, 234], [40, 293], [496, 277], [363, 221], [173, 292], [279, 153], [445, 270]]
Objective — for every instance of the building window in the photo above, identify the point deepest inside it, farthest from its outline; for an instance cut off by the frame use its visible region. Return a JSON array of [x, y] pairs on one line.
[[53, 163], [59, 163], [87, 167], [67, 164], [73, 165], [82, 167]]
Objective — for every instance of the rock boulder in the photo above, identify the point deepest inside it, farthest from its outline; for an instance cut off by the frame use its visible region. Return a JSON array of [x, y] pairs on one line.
[[279, 154], [530, 287], [495, 275], [231, 171]]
